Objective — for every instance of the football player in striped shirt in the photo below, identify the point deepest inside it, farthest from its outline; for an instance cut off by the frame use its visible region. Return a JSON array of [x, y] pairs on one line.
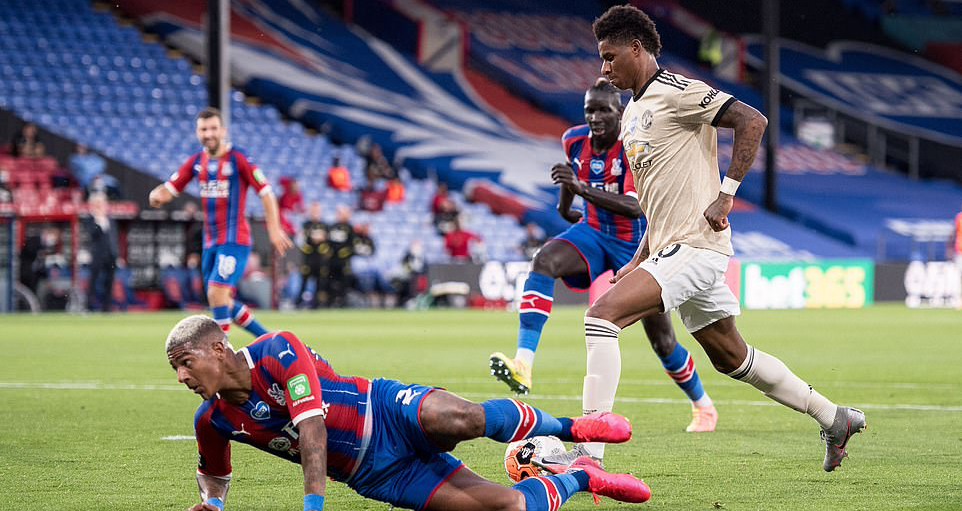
[[224, 173], [386, 440]]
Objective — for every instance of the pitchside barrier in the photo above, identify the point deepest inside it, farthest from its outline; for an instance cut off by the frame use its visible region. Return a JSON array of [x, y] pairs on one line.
[[758, 284]]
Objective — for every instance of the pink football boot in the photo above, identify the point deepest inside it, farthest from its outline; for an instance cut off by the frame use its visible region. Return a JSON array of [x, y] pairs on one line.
[[608, 427]]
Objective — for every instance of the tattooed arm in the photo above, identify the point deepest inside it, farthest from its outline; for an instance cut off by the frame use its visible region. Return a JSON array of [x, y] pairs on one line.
[[749, 125]]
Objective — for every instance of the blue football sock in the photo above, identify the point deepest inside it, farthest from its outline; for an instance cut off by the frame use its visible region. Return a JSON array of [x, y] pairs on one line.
[[508, 420], [245, 319], [547, 493], [535, 308], [680, 366], [221, 316]]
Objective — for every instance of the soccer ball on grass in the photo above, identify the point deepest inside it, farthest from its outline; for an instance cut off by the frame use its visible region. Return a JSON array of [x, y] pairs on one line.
[[517, 457]]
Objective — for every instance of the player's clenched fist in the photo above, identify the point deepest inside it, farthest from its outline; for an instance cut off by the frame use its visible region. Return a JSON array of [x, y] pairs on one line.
[[717, 212], [562, 174]]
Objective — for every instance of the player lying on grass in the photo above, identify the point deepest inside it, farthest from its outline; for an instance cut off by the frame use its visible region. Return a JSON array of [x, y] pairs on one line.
[[668, 130], [603, 238], [387, 440]]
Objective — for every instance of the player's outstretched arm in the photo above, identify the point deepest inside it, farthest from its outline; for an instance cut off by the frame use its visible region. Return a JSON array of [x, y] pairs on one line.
[[279, 239], [749, 125], [621, 204], [213, 492], [159, 196], [313, 446]]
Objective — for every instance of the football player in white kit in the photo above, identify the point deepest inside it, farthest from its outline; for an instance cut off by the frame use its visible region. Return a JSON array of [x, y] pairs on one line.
[[669, 135]]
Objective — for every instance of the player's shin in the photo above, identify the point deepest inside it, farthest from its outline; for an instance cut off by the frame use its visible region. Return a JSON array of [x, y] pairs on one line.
[[602, 372], [681, 368], [508, 420], [547, 493], [769, 375], [244, 318], [221, 315], [534, 310]]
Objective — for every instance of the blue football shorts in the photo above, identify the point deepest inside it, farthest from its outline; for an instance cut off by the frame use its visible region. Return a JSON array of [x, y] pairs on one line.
[[401, 466], [223, 265], [600, 251]]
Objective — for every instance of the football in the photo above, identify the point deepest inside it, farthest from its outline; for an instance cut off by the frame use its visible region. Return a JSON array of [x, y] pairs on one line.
[[517, 457]]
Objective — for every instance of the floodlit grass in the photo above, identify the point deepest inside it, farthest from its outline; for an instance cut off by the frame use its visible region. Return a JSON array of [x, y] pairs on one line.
[[72, 446]]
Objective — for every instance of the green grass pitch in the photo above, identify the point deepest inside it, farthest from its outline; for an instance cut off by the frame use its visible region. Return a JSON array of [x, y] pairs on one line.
[[86, 401]]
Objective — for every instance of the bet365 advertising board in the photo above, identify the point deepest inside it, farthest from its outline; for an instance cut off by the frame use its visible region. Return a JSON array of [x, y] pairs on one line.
[[819, 283]]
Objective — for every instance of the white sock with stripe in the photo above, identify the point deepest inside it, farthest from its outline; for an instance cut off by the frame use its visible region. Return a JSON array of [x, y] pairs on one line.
[[603, 371]]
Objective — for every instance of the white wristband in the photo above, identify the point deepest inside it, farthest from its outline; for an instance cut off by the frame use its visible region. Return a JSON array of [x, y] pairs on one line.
[[729, 185]]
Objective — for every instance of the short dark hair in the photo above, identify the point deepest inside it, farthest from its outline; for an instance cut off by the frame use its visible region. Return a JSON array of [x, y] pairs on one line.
[[207, 112], [623, 23], [603, 86]]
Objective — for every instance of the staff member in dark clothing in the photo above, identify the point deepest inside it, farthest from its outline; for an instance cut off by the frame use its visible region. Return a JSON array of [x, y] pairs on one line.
[[341, 237], [103, 253], [317, 256]]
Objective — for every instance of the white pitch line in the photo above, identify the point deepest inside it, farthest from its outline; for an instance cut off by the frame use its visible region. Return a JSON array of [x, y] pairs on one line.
[[478, 395], [736, 402], [725, 383], [177, 437]]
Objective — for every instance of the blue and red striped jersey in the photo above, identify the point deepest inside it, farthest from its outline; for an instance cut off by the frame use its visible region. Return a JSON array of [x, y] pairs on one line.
[[607, 171], [289, 383], [223, 190]]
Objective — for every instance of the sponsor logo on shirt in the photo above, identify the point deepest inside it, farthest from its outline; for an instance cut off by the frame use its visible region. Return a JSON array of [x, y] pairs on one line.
[[708, 98], [597, 166], [218, 188], [261, 411], [280, 443], [299, 386], [302, 400], [637, 150], [259, 176]]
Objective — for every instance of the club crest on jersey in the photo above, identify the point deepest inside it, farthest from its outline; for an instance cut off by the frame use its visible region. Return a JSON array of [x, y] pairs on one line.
[[277, 394], [261, 411], [646, 118], [597, 166], [616, 168]]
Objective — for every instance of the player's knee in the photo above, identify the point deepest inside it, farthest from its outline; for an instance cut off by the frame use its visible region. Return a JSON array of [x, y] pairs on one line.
[[466, 420], [663, 343], [510, 501], [603, 309], [545, 264], [725, 364]]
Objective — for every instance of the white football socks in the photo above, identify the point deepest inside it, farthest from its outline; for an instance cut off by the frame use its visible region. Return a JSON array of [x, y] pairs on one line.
[[602, 373], [525, 355], [769, 375]]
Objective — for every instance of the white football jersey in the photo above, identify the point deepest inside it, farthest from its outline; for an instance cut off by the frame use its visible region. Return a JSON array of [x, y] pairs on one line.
[[669, 136]]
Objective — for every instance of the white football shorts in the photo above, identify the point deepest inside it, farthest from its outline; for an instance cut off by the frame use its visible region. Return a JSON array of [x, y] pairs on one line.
[[692, 280]]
